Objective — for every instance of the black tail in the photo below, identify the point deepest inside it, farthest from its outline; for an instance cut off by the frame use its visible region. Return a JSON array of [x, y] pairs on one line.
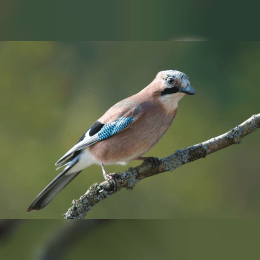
[[47, 195]]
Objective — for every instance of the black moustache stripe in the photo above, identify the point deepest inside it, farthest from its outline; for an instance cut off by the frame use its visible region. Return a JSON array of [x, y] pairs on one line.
[[168, 91]]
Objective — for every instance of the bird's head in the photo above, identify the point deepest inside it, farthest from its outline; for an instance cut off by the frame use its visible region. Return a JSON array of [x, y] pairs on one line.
[[175, 81], [170, 86]]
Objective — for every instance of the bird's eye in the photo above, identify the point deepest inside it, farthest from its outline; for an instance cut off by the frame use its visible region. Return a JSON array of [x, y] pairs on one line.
[[170, 80]]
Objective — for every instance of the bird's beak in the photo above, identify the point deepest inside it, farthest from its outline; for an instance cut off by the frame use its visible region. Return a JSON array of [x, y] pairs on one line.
[[188, 90]]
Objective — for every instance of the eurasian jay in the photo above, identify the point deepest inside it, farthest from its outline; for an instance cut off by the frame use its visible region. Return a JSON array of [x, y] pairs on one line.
[[124, 133]]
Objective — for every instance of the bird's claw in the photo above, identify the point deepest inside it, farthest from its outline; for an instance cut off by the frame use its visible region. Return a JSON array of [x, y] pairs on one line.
[[112, 181]]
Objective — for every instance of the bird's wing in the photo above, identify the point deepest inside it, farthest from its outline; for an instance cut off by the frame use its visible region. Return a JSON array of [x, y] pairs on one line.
[[100, 131]]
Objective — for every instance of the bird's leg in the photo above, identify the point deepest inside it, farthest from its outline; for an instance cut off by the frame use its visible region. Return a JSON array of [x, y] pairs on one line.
[[108, 177], [105, 174]]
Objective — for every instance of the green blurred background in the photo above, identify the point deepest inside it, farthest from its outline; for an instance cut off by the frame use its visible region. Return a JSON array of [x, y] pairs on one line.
[[129, 239], [51, 92], [127, 20]]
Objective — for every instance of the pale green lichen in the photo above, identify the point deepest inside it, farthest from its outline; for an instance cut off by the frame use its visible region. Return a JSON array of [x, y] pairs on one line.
[[129, 178], [176, 160], [235, 132], [253, 126]]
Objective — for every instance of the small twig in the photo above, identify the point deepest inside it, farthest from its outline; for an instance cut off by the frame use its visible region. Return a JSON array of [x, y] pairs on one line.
[[152, 166]]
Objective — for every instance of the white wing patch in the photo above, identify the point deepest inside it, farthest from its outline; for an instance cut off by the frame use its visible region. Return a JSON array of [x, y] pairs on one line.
[[87, 141]]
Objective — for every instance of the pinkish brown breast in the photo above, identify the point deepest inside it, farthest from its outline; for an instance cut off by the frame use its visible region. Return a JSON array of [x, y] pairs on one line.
[[138, 138]]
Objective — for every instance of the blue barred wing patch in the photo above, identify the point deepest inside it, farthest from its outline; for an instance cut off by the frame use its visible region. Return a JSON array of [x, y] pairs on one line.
[[114, 127]]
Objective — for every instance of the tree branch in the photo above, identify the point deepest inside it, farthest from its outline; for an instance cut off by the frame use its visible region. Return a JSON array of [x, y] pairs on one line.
[[152, 166]]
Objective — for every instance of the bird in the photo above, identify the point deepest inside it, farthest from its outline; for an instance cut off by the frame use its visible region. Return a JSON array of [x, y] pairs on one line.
[[124, 133]]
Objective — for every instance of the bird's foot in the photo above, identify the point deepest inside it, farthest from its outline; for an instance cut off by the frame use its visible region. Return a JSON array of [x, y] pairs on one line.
[[109, 177]]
